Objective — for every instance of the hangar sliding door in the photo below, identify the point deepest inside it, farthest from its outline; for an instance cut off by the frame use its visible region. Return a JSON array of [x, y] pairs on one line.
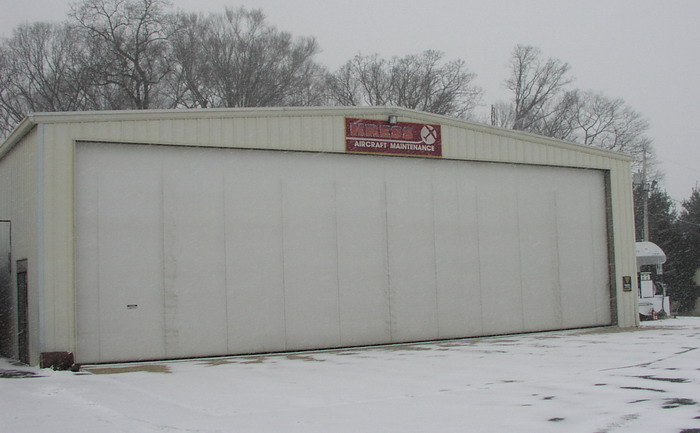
[[186, 251]]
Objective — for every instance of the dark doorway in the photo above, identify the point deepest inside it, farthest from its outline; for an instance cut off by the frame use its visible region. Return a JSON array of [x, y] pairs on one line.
[[22, 312], [7, 295]]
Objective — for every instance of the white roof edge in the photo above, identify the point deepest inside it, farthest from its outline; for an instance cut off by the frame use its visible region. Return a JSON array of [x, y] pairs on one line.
[[171, 114], [16, 135]]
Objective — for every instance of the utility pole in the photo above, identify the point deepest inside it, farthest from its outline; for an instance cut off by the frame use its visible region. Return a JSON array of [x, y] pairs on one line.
[[640, 180], [645, 196]]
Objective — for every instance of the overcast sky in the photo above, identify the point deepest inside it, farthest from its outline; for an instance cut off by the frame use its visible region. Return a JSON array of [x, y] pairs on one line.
[[644, 51]]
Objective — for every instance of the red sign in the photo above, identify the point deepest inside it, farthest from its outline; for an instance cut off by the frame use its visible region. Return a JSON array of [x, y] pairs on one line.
[[379, 136]]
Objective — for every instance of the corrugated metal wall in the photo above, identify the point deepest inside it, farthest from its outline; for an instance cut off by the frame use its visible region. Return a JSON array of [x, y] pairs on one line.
[[18, 204], [319, 130]]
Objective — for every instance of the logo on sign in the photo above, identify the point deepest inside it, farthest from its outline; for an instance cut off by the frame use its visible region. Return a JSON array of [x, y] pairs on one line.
[[428, 134], [376, 136]]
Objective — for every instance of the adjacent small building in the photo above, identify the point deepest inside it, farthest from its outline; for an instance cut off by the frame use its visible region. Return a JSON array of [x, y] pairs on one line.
[[142, 235]]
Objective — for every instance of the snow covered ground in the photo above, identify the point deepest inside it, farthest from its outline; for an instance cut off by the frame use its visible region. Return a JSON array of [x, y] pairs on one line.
[[601, 380]]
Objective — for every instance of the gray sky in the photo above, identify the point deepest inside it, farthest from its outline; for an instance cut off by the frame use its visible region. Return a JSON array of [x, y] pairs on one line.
[[643, 51]]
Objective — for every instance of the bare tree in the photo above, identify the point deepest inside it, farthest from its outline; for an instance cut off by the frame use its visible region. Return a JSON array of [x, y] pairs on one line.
[[543, 105], [41, 70], [560, 121], [236, 59], [502, 115], [421, 82], [189, 82], [608, 123], [310, 89], [535, 83], [373, 79], [343, 86], [129, 45]]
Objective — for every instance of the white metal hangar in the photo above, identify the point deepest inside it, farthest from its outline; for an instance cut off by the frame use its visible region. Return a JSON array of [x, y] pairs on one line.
[[143, 235]]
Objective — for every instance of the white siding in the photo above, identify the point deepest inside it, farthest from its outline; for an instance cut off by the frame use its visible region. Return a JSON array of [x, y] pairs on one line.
[[18, 204], [316, 130]]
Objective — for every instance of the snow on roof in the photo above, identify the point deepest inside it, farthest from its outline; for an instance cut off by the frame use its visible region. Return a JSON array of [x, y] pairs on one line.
[[648, 253]]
